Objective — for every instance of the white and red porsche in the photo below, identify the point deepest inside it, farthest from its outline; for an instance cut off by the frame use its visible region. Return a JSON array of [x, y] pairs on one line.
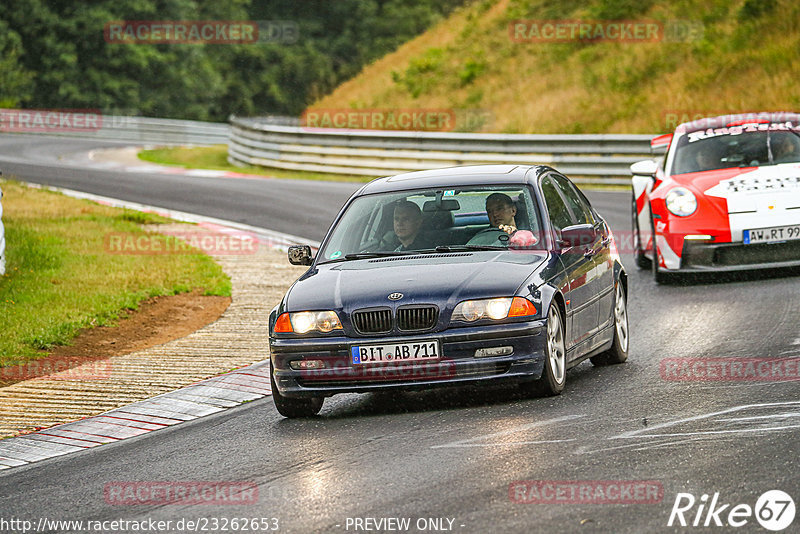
[[726, 196]]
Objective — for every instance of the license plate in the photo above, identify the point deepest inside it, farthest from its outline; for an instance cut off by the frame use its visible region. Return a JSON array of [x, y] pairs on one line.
[[399, 352], [767, 235]]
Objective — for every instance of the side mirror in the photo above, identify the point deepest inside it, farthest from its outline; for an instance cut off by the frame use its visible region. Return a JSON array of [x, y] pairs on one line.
[[300, 255], [646, 167], [578, 235]]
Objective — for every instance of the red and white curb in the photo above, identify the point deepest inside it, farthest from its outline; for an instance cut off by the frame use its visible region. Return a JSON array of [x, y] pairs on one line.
[[192, 402]]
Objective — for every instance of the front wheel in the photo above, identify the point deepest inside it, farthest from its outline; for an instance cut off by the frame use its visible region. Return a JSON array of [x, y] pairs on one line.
[[554, 375], [618, 352], [642, 261], [658, 275], [293, 408]]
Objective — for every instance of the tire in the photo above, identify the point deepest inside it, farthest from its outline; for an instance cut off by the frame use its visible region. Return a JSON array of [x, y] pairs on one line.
[[294, 408], [554, 375], [658, 275], [642, 261], [618, 352]]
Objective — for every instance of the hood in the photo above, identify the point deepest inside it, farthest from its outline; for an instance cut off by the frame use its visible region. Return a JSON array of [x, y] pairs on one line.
[[701, 181], [441, 279], [744, 179]]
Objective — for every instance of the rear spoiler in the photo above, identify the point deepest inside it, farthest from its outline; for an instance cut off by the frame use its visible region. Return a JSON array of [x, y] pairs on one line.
[[660, 143]]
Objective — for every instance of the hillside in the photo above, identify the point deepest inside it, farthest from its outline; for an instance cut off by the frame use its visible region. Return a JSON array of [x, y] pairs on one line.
[[740, 55]]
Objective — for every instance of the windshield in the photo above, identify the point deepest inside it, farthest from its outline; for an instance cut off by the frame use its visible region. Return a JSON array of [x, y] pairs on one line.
[[422, 220], [750, 145]]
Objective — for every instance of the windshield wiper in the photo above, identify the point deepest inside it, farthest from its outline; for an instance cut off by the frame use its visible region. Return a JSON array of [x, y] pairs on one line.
[[367, 255], [465, 248]]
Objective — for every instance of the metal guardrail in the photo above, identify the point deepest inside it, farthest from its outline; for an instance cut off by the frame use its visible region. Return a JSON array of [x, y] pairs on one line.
[[603, 158], [145, 131]]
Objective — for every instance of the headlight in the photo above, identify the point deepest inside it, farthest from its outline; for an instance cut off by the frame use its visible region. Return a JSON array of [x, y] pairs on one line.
[[303, 322], [681, 202], [500, 308]]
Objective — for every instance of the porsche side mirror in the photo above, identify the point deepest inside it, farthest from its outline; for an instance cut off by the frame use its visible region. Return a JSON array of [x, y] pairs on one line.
[[300, 255], [578, 235], [646, 167]]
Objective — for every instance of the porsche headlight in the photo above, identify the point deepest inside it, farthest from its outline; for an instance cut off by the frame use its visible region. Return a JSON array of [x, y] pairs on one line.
[[500, 308], [681, 202], [303, 322]]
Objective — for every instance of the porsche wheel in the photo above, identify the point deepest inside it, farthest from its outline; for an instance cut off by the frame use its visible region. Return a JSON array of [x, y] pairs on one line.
[[642, 261], [658, 275]]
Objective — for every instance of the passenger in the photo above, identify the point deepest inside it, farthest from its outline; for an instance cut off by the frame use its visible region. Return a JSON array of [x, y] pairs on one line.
[[407, 225], [705, 161]]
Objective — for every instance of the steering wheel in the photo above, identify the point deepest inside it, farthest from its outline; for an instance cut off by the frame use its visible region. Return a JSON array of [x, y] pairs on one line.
[[487, 231]]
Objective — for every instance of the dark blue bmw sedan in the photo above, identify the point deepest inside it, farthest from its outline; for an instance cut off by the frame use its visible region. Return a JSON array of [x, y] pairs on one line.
[[465, 275]]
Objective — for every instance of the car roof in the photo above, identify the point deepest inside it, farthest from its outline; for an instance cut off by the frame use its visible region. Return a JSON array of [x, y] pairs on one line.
[[722, 121], [453, 176]]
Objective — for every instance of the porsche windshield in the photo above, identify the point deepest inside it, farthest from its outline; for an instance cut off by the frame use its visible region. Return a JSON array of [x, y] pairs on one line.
[[422, 220], [751, 145]]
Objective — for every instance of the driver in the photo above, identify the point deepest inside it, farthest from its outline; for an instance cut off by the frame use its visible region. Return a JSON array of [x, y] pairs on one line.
[[502, 212], [785, 151]]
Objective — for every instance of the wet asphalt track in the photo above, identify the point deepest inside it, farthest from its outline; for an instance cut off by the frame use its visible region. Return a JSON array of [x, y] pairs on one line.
[[454, 454]]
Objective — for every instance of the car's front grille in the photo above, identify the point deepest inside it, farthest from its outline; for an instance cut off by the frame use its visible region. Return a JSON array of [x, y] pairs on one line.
[[417, 318], [737, 254], [373, 321], [759, 253]]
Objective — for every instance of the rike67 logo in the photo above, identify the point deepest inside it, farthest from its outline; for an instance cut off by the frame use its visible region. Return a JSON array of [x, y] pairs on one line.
[[774, 510]]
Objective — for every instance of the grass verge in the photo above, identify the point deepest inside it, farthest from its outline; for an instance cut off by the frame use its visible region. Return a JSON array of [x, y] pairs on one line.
[[60, 277], [216, 158]]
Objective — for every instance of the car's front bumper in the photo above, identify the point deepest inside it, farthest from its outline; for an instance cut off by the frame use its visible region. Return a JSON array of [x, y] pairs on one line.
[[702, 256], [458, 364]]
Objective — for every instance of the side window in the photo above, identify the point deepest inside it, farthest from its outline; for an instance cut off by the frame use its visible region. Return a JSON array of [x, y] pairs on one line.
[[560, 214], [575, 201]]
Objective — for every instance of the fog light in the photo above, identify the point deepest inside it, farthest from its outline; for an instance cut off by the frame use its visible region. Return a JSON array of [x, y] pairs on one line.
[[494, 351], [302, 365], [699, 237]]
